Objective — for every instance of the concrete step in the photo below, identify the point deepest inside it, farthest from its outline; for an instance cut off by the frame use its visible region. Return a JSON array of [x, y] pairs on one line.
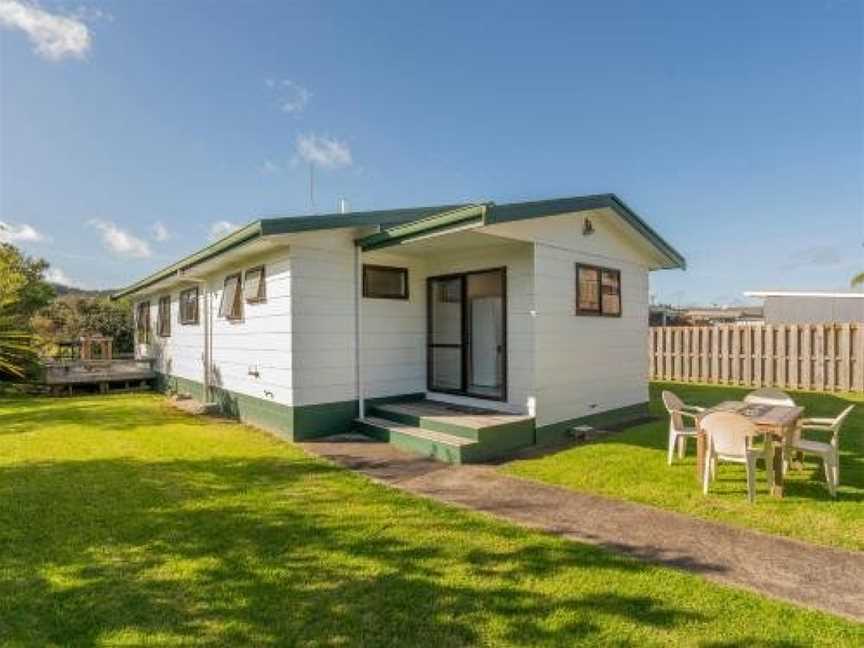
[[427, 443]]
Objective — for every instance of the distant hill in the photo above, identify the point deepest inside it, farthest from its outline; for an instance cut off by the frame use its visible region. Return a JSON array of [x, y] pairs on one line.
[[71, 290]]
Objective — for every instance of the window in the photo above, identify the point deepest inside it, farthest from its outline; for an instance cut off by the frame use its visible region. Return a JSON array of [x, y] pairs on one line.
[[381, 282], [231, 306], [598, 291], [254, 288], [189, 306], [142, 322], [163, 322]]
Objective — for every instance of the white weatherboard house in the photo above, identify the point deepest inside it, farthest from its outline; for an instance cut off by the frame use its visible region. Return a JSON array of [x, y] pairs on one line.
[[461, 332]]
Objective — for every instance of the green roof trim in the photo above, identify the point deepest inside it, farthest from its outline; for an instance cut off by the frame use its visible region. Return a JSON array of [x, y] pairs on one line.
[[404, 232], [411, 222], [241, 236]]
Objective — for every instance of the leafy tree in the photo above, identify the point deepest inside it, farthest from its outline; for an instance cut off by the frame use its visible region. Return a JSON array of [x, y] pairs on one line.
[[22, 282], [23, 290], [858, 280], [72, 316]]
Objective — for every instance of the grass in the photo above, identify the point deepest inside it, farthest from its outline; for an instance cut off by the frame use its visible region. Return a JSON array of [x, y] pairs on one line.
[[631, 465], [124, 522]]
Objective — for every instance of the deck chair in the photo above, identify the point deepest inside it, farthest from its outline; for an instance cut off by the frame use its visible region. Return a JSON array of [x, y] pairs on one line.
[[678, 431], [730, 438], [828, 452]]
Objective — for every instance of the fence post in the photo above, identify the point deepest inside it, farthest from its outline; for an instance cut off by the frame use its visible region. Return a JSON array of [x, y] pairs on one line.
[[845, 357], [858, 363], [819, 352], [794, 356], [806, 357]]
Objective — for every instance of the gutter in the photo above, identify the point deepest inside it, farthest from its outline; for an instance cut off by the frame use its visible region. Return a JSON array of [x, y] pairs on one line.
[[241, 236]]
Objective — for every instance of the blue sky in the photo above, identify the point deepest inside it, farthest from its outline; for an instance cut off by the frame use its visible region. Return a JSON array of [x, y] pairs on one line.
[[735, 128]]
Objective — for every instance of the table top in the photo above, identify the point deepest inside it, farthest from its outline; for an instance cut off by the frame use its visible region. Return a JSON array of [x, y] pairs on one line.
[[764, 415]]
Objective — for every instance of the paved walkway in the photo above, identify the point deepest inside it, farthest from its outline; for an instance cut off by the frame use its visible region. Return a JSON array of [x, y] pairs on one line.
[[819, 577]]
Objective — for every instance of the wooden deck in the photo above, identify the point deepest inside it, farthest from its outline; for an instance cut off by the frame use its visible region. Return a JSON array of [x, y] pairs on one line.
[[64, 375], [448, 413]]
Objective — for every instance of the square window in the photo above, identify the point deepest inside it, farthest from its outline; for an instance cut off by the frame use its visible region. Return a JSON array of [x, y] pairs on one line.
[[189, 306], [163, 323], [382, 282], [231, 306], [142, 322], [598, 291], [254, 286]]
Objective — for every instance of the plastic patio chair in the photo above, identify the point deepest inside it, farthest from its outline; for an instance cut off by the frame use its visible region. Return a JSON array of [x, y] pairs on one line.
[[769, 396], [729, 439], [828, 452], [678, 432]]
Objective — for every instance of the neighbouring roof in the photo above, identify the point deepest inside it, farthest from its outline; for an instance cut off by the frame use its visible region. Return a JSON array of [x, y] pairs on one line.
[[395, 220], [825, 294]]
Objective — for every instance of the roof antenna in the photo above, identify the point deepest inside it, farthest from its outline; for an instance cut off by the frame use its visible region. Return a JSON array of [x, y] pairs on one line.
[[312, 188]]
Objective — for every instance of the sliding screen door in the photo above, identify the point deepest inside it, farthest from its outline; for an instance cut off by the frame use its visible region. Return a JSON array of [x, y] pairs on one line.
[[446, 334], [467, 350]]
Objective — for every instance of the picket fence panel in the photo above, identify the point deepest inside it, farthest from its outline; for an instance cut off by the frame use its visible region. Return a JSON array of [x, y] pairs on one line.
[[820, 357]]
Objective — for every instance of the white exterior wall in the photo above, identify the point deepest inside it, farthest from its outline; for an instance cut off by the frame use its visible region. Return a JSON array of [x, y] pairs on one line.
[[322, 268], [394, 332], [584, 364], [261, 341]]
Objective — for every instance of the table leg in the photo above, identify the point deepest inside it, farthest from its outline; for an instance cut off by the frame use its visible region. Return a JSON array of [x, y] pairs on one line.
[[777, 486], [700, 456]]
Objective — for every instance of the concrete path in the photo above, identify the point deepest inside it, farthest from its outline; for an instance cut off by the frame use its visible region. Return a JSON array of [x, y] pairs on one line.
[[819, 577]]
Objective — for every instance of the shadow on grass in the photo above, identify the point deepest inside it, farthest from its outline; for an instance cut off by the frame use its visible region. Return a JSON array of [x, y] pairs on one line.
[[262, 551]]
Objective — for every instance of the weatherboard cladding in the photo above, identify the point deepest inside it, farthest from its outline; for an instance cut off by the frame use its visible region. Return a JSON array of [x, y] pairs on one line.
[[390, 217]]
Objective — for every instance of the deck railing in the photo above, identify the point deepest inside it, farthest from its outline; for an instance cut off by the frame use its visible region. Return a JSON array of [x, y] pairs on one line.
[[821, 357]]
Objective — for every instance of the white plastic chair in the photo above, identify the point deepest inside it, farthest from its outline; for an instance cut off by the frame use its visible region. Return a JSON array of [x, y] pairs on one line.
[[769, 396], [678, 432], [729, 439], [828, 452]]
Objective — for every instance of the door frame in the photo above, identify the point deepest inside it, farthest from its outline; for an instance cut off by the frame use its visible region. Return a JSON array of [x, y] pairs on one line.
[[466, 334]]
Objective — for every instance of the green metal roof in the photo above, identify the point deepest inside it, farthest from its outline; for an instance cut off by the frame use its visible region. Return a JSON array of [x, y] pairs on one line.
[[416, 218]]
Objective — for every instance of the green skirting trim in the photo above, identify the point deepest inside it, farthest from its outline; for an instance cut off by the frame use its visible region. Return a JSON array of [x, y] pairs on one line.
[[556, 432], [295, 423]]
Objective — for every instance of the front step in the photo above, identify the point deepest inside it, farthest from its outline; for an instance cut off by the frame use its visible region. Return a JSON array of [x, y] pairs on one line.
[[427, 443]]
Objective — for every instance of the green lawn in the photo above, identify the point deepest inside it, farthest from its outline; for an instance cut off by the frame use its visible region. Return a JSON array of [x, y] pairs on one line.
[[632, 465], [123, 522]]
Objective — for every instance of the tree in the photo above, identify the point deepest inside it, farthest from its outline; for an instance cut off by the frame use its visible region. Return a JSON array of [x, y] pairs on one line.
[[858, 280], [23, 290], [71, 316]]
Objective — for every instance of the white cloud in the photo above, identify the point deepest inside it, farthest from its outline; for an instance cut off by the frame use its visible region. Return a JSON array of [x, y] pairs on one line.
[[11, 233], [325, 152], [221, 228], [160, 232], [270, 168], [120, 242], [292, 97], [56, 275], [54, 36]]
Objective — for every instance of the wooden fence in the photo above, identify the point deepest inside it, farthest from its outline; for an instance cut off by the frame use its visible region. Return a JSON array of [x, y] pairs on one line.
[[821, 357]]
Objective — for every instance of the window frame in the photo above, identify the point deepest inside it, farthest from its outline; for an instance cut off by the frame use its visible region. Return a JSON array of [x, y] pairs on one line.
[[599, 312], [142, 322], [184, 321], [239, 316], [163, 317], [400, 270], [262, 285]]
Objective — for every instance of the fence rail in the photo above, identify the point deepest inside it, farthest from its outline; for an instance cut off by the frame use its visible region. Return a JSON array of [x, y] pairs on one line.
[[821, 357]]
